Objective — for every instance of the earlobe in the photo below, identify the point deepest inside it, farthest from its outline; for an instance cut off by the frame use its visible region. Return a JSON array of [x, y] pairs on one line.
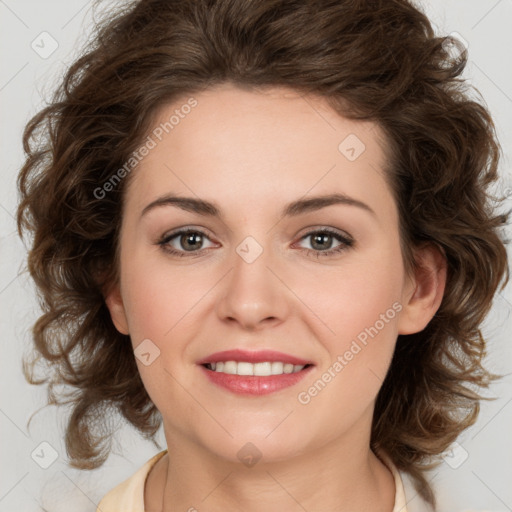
[[428, 285], [114, 302]]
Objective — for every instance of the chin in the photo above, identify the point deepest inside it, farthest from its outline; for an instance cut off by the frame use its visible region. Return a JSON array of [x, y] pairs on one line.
[[256, 446]]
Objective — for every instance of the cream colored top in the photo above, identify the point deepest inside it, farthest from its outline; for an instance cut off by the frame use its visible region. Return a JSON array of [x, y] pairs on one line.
[[128, 496]]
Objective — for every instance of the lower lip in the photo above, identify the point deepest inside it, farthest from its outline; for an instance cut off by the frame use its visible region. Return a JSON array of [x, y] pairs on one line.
[[254, 385]]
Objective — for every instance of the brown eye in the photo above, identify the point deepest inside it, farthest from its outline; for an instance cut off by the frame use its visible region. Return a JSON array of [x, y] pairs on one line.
[[184, 241], [322, 242]]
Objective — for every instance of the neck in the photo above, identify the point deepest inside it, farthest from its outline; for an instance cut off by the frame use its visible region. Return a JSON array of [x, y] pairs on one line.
[[336, 477]]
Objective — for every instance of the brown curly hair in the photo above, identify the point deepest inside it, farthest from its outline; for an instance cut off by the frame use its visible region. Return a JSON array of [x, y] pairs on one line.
[[377, 60]]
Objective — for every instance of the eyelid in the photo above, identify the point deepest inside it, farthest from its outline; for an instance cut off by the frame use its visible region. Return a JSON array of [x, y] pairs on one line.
[[168, 236], [328, 229], [345, 239], [306, 231]]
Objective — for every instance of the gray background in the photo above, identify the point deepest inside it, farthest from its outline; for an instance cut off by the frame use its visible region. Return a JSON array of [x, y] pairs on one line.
[[476, 476]]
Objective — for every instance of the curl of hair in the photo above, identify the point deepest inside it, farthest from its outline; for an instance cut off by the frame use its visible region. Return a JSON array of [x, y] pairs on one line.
[[375, 60]]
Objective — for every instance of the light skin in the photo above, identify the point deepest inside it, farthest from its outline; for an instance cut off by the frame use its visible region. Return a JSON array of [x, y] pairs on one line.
[[251, 153]]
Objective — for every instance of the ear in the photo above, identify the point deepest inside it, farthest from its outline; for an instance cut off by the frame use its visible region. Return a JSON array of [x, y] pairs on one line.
[[114, 302], [424, 291]]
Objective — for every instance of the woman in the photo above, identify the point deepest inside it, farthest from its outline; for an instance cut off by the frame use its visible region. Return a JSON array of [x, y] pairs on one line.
[[266, 226]]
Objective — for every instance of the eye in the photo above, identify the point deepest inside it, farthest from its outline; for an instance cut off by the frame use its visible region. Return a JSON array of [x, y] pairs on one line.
[[322, 240], [190, 240]]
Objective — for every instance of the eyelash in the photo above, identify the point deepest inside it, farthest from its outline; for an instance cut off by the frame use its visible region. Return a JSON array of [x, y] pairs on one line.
[[347, 242]]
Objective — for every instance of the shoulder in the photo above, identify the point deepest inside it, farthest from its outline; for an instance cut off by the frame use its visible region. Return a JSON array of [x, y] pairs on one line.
[[406, 497], [415, 503], [128, 496]]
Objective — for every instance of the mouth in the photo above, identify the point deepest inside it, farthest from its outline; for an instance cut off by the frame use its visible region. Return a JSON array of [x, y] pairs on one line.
[[254, 373], [263, 369]]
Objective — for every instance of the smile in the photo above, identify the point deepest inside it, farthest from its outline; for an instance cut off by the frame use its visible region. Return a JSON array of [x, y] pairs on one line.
[[259, 372], [263, 369], [235, 377]]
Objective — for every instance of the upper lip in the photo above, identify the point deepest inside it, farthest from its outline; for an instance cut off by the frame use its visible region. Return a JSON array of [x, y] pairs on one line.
[[258, 356]]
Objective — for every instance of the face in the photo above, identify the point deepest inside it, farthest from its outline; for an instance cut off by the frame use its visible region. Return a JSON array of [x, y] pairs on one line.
[[323, 282]]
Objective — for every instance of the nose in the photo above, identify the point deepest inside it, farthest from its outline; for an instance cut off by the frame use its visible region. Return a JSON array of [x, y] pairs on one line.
[[253, 295]]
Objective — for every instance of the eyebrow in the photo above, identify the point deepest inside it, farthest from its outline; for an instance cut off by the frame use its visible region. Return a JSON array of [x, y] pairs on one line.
[[292, 209]]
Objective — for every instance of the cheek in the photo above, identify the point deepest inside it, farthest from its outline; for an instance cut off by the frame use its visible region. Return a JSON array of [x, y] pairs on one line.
[[160, 303], [355, 295], [348, 381], [359, 306], [370, 303], [159, 298], [365, 332]]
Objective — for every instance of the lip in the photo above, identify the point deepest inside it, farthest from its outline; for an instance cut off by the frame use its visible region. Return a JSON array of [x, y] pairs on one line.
[[258, 356], [252, 384]]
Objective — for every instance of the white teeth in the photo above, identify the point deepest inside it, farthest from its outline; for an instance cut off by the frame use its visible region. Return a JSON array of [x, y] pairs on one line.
[[245, 369], [264, 369], [277, 368], [230, 367], [260, 369]]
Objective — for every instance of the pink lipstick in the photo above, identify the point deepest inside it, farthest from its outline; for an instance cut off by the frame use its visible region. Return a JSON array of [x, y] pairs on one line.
[[254, 372]]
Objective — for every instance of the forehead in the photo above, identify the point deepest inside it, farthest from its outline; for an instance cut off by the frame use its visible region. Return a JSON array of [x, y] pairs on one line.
[[259, 147]]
